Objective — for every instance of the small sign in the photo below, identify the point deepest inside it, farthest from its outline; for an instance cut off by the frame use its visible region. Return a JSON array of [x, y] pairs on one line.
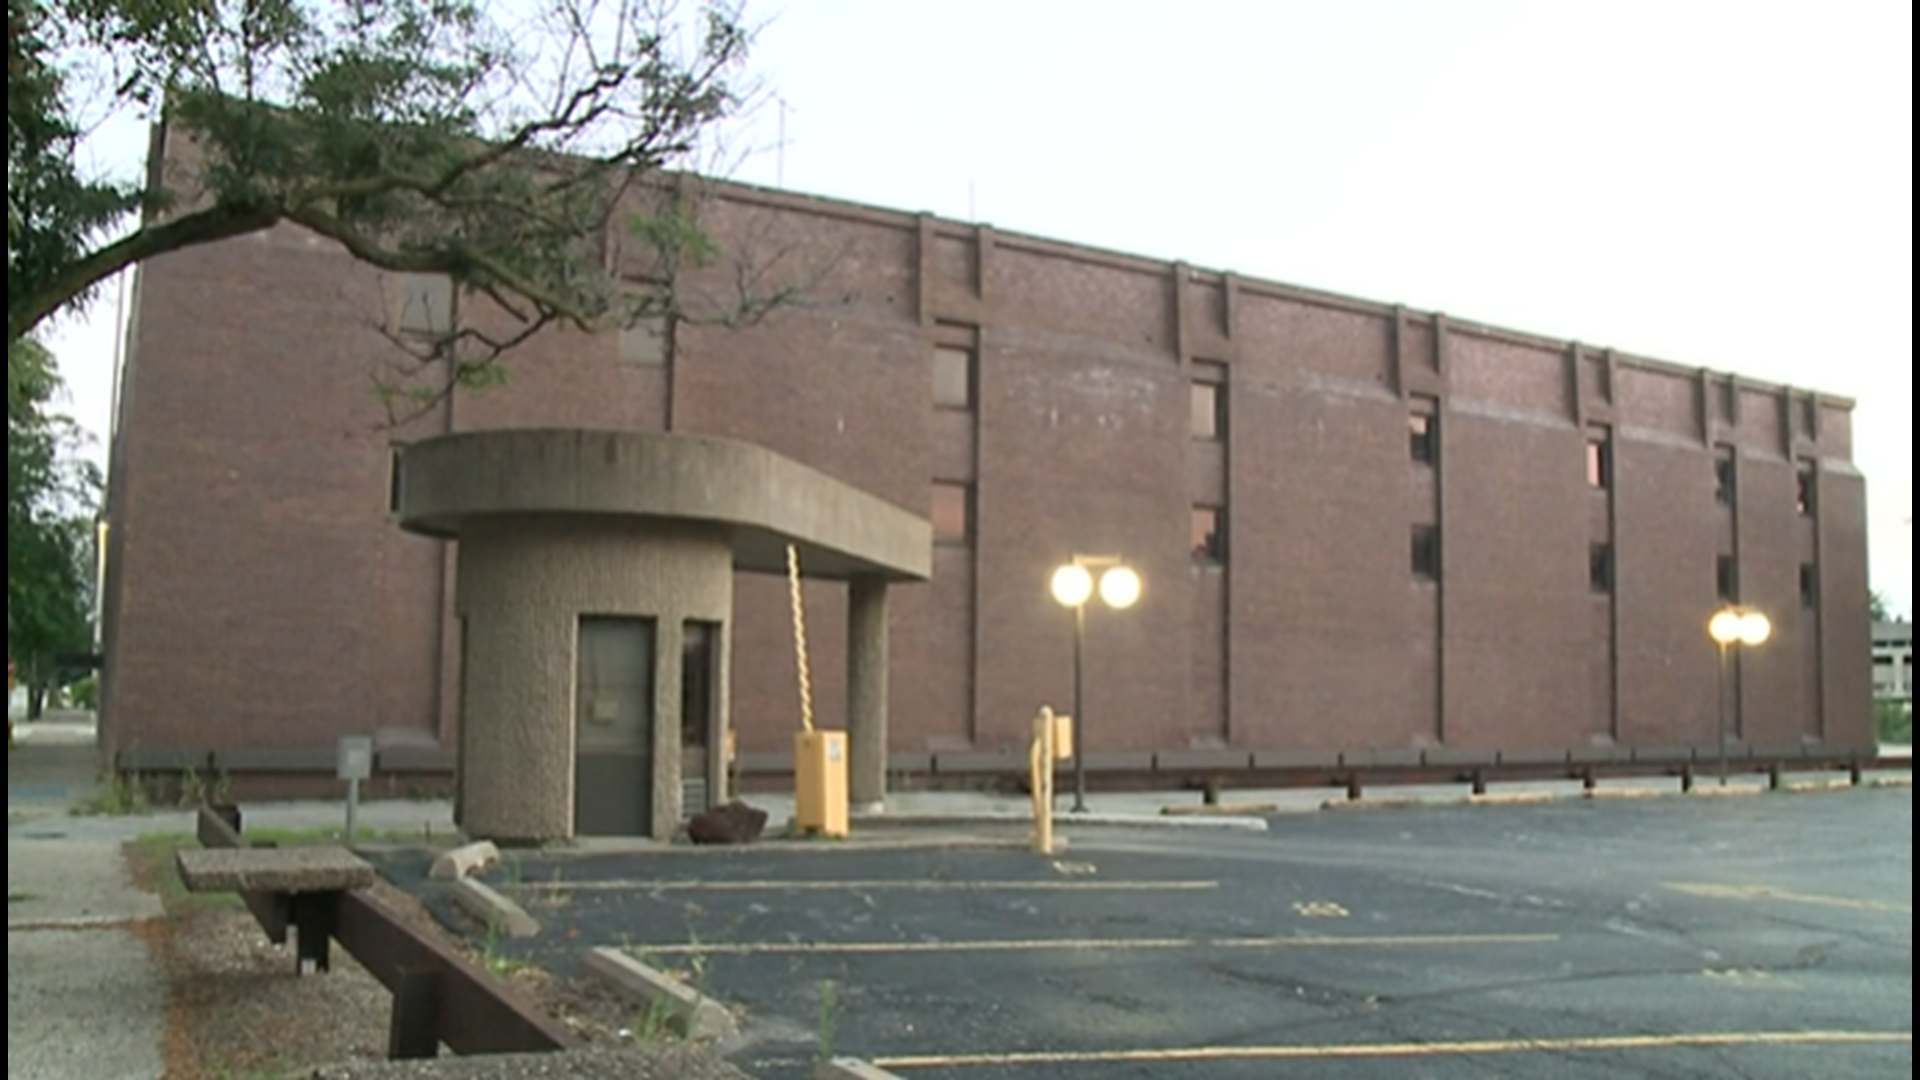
[[353, 760]]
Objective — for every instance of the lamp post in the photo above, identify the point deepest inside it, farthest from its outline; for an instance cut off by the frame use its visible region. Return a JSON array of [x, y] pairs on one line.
[[1731, 627], [1073, 585]]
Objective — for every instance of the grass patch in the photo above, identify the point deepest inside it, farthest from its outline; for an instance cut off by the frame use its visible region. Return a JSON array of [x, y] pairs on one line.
[[21, 897], [494, 960], [652, 1025], [150, 857], [828, 1019], [119, 795], [320, 835]]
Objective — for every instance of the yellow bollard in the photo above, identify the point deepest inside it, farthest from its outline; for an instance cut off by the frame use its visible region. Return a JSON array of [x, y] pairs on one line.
[[1051, 742]]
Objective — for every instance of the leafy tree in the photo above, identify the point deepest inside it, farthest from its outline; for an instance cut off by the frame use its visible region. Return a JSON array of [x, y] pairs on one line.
[[52, 498], [1877, 607], [494, 144]]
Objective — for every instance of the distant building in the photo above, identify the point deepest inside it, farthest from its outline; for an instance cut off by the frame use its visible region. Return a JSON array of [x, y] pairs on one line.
[[1368, 534], [1893, 661]]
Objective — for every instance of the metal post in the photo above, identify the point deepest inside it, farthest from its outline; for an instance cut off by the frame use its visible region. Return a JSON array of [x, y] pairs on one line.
[[1723, 710], [353, 806], [1079, 712]]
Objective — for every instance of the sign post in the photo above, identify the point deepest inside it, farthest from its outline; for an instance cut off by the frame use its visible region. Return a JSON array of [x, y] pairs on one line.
[[353, 762]]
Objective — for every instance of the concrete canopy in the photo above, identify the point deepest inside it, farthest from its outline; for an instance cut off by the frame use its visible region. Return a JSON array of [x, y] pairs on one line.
[[764, 500]]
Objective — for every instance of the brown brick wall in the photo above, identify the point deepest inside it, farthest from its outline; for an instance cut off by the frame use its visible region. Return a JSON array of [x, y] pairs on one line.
[[1324, 609], [1083, 437], [1846, 636], [1514, 592], [1665, 588], [262, 596]]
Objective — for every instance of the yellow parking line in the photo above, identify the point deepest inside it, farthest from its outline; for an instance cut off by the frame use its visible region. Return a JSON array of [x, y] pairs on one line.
[[1762, 892], [1050, 885], [1406, 1049], [739, 948]]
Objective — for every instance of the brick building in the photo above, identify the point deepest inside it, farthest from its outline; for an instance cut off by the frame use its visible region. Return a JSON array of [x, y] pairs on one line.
[[1363, 530], [1893, 662]]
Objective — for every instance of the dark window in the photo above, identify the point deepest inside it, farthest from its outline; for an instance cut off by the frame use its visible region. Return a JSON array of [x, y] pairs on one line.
[[1421, 432], [1723, 476], [1426, 552], [1423, 429], [1600, 566], [394, 474], [1599, 460], [953, 377], [1726, 578], [1809, 585], [1207, 410], [699, 674], [1209, 535], [643, 341], [426, 304], [1803, 488], [952, 513]]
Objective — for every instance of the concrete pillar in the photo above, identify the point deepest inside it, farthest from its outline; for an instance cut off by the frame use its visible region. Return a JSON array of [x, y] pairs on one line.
[[524, 583], [867, 692]]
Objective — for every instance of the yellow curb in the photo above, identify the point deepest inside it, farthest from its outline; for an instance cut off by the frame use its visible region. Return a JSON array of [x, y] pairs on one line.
[[1627, 793], [1893, 781], [1817, 785], [1726, 792], [1259, 809], [1378, 804]]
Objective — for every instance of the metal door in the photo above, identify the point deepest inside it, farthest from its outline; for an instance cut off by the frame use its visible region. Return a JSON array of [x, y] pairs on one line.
[[613, 727]]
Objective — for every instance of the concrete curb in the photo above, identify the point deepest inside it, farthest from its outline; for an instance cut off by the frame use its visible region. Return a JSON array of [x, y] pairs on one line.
[[1221, 810], [842, 1068], [692, 1013], [1510, 798], [501, 915], [1066, 820], [1892, 781], [464, 861]]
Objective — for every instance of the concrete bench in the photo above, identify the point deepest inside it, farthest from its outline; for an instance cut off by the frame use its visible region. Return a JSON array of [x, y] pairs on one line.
[[273, 870], [283, 887], [439, 997]]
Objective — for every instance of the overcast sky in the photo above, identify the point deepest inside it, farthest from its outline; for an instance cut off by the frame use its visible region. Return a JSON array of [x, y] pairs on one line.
[[1717, 183]]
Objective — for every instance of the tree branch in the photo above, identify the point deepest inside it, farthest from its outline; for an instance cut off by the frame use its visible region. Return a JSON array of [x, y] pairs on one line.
[[457, 259], [218, 222]]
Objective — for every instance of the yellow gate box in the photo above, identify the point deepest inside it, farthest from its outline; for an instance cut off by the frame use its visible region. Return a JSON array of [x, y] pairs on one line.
[[1062, 736], [820, 782]]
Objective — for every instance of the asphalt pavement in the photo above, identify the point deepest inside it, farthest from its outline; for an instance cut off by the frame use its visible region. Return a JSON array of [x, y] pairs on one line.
[[1758, 936], [1755, 937]]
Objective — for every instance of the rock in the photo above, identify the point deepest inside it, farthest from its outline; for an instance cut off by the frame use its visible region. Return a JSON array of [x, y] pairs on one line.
[[733, 823], [464, 861]]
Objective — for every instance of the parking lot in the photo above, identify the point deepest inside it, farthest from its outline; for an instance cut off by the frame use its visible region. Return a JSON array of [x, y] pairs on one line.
[[1751, 937]]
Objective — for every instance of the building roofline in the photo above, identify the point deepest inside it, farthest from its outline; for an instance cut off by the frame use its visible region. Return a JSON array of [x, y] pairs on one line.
[[783, 198]]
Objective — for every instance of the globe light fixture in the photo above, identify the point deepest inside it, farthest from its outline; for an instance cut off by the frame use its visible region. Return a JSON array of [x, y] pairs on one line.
[[1073, 585], [1730, 628]]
